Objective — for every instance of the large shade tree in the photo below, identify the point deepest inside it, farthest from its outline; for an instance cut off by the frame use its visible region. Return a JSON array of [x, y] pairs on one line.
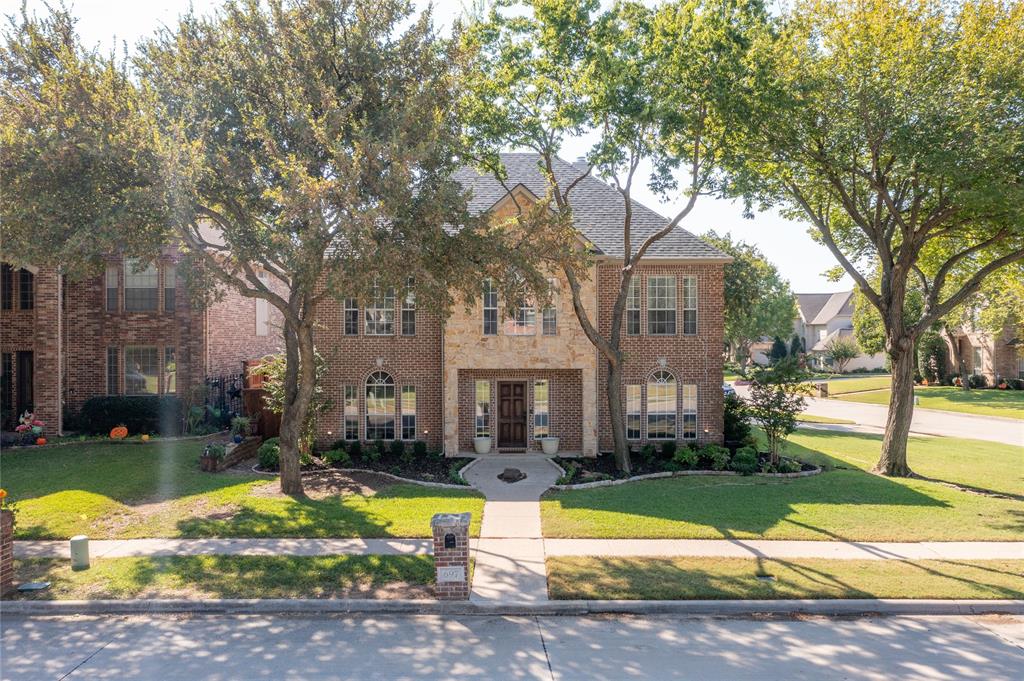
[[895, 128], [758, 302], [298, 149], [648, 86]]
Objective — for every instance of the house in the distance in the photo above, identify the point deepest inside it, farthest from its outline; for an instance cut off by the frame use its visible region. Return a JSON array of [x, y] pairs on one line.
[[518, 375], [129, 331], [822, 317]]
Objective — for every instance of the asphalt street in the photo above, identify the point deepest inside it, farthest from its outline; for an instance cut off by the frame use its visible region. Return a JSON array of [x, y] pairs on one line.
[[168, 648]]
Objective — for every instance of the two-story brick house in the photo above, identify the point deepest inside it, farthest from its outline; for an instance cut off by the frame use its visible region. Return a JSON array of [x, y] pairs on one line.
[[518, 375], [130, 331]]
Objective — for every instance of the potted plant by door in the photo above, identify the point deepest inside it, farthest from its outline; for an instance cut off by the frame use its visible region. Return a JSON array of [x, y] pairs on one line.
[[482, 444], [549, 445]]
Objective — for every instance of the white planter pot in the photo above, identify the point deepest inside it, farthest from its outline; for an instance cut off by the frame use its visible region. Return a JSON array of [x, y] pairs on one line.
[[482, 445], [549, 445]]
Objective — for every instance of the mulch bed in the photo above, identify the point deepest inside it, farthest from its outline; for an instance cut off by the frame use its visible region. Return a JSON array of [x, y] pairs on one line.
[[602, 467]]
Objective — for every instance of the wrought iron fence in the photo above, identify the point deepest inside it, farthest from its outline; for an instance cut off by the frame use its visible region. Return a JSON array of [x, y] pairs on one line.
[[224, 394]]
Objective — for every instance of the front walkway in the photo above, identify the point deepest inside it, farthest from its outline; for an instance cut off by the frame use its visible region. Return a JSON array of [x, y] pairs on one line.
[[510, 553]]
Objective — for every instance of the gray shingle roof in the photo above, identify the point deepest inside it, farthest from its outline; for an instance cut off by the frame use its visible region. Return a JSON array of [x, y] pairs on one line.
[[821, 308], [598, 208]]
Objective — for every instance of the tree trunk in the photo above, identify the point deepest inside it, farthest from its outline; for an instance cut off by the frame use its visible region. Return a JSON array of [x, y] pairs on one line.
[[893, 461], [300, 380], [617, 417]]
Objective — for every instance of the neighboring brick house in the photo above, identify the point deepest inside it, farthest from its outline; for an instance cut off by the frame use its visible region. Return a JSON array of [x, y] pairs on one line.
[[993, 356], [395, 372], [129, 331]]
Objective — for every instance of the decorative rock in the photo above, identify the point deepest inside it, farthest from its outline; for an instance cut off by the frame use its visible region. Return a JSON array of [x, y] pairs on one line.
[[511, 475]]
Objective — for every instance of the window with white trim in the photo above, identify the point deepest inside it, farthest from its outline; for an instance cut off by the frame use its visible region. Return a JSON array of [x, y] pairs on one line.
[[541, 409], [490, 308], [689, 408], [141, 370], [408, 412], [351, 412], [661, 406], [351, 317], [634, 415], [633, 307], [170, 287], [112, 363], [661, 306], [1020, 367], [380, 313], [263, 309], [111, 287], [482, 396], [689, 306], [549, 316], [978, 361], [170, 371], [380, 406], [141, 292], [409, 309], [523, 321]]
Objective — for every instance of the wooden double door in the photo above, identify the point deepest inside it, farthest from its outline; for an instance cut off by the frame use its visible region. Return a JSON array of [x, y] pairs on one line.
[[512, 413]]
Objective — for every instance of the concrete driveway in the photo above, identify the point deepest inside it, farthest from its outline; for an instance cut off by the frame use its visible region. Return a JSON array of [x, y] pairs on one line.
[[222, 648]]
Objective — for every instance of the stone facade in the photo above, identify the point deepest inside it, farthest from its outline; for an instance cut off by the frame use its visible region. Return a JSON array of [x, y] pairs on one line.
[[75, 328]]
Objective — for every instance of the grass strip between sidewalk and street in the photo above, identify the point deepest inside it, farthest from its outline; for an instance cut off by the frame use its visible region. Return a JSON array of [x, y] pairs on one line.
[[811, 418], [600, 578], [220, 576]]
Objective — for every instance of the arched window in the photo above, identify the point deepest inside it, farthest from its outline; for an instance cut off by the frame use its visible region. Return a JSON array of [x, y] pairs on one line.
[[380, 406], [661, 406]]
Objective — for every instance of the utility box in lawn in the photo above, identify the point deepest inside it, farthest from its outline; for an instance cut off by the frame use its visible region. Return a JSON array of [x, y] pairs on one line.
[[451, 555]]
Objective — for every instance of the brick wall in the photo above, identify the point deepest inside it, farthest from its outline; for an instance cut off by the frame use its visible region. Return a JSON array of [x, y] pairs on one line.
[[411, 360], [693, 359], [231, 336], [565, 405]]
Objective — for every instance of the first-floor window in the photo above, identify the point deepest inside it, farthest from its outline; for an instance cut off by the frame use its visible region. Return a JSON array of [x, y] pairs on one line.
[[633, 414], [351, 413], [661, 406], [141, 370], [112, 387], [1020, 367], [979, 361], [380, 406], [170, 371], [689, 412], [541, 414], [483, 408], [408, 412]]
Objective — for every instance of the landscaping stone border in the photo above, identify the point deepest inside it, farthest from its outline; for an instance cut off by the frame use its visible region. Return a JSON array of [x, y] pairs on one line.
[[396, 478], [105, 439], [675, 474]]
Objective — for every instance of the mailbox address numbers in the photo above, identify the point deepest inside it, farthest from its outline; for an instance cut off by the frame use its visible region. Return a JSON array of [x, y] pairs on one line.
[[451, 574]]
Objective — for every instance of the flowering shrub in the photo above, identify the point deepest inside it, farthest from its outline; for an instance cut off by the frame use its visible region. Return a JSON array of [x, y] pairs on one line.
[[29, 427]]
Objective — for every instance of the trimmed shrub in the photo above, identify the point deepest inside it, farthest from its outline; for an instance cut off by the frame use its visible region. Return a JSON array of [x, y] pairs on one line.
[[140, 414], [269, 454], [744, 461], [714, 457], [419, 449], [379, 450], [355, 450], [398, 449], [338, 457], [978, 381], [686, 457], [668, 450], [340, 444], [736, 419], [648, 454]]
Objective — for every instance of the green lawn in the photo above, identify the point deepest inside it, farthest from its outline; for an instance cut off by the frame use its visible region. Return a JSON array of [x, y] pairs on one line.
[[851, 385], [987, 402], [157, 490], [719, 578], [233, 577], [811, 418], [845, 502]]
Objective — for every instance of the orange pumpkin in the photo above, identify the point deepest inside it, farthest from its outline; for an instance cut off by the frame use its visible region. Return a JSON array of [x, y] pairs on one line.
[[118, 433], [40, 441], [144, 438]]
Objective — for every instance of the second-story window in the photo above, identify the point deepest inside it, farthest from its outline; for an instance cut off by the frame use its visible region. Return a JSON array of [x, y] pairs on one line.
[[633, 307], [380, 313], [409, 310], [111, 287], [549, 317], [170, 285], [351, 317], [26, 290], [141, 283], [7, 287], [661, 306], [690, 305], [490, 303]]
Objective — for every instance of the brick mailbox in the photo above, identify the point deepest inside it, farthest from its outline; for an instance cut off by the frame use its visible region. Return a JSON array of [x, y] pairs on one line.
[[451, 555]]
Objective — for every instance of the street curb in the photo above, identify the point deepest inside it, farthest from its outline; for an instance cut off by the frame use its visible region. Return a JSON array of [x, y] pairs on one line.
[[565, 608]]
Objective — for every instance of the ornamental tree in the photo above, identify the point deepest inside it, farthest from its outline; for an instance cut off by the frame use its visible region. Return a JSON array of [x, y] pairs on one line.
[[894, 128], [776, 398], [841, 350], [650, 87]]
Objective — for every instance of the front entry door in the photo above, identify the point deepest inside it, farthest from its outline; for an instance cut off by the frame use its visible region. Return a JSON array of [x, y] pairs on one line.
[[512, 414]]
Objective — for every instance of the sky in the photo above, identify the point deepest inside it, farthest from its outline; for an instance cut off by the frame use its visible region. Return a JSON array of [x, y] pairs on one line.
[[785, 243]]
